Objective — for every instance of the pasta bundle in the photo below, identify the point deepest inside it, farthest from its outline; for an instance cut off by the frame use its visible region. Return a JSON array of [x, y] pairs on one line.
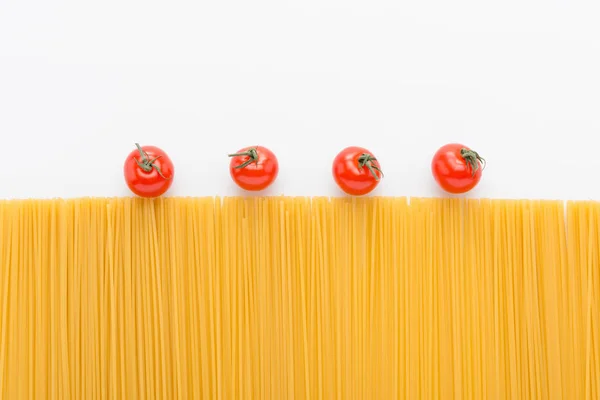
[[280, 297]]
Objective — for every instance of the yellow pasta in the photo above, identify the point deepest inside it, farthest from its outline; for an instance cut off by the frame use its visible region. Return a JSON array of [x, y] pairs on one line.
[[281, 298]]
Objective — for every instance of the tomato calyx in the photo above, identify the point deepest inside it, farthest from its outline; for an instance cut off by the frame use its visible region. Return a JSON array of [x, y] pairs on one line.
[[252, 155], [473, 159], [147, 164], [366, 160]]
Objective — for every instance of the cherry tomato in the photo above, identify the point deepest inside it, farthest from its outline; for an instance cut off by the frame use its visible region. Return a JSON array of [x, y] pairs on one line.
[[148, 171], [356, 171], [254, 168], [457, 168]]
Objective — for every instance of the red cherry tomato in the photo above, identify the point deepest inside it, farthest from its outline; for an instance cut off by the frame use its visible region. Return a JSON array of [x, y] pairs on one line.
[[148, 171], [254, 168], [457, 168], [356, 171]]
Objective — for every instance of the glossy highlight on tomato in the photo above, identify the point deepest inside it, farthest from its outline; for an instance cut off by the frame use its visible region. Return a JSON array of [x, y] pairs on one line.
[[254, 168], [148, 171], [457, 168], [356, 171]]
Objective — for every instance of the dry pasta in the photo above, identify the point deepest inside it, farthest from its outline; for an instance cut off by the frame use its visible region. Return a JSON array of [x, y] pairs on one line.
[[278, 298]]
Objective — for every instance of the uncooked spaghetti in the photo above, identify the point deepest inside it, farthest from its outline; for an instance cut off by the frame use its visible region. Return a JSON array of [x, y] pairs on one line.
[[278, 298]]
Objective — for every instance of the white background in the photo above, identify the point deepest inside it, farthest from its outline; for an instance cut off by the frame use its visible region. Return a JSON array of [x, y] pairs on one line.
[[517, 80]]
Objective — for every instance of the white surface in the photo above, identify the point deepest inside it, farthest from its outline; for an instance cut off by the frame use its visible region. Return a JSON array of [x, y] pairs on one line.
[[517, 80]]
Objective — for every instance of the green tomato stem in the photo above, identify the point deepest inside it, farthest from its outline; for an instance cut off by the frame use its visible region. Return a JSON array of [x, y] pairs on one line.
[[473, 159], [146, 164], [366, 160], [252, 155]]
